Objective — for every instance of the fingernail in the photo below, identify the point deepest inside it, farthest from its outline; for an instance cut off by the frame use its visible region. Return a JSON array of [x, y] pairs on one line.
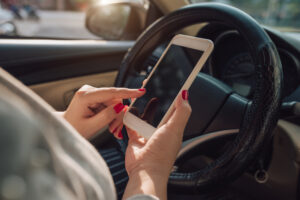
[[185, 95], [142, 89], [120, 135], [115, 130], [119, 107]]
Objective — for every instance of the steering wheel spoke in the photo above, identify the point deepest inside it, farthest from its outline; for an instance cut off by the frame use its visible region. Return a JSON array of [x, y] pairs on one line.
[[215, 107], [230, 115]]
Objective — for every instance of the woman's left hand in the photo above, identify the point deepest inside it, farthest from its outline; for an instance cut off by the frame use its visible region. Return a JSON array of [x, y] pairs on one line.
[[149, 163], [91, 109]]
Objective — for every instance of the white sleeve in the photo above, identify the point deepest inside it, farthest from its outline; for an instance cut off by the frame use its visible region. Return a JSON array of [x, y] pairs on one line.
[[42, 155]]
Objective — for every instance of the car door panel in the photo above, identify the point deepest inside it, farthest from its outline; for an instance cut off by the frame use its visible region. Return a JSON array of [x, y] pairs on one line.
[[41, 61], [59, 93], [55, 69]]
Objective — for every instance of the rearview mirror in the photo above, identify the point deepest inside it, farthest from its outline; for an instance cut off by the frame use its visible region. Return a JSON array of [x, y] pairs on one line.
[[117, 20]]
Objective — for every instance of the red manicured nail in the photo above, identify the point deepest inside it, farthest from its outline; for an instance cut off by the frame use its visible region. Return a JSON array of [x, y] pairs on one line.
[[120, 135], [115, 130], [185, 95], [142, 89], [119, 107]]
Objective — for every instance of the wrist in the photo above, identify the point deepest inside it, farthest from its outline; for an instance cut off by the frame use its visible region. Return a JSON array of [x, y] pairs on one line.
[[145, 182]]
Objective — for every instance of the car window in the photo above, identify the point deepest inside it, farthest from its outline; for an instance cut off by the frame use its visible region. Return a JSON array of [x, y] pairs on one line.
[[283, 15], [45, 18]]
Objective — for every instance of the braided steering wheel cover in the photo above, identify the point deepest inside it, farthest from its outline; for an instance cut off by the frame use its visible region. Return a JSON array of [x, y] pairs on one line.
[[262, 115]]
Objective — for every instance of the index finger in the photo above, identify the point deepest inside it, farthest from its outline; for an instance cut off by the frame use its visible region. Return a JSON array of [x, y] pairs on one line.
[[105, 94], [176, 122]]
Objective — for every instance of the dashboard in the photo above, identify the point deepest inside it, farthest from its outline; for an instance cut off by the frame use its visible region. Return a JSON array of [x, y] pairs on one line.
[[231, 61]]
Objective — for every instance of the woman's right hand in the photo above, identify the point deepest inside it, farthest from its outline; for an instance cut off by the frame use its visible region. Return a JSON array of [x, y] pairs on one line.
[[149, 163], [91, 109]]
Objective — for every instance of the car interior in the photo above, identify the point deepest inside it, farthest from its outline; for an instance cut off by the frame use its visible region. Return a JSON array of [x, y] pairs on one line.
[[243, 138]]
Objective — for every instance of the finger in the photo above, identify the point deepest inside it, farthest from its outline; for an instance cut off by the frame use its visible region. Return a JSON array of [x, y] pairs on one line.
[[118, 121], [112, 102], [175, 126], [106, 116], [113, 126], [143, 85], [132, 135], [141, 89], [98, 95], [95, 108], [118, 134]]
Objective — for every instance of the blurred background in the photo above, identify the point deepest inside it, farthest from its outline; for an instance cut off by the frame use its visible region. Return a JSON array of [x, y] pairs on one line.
[[66, 18], [278, 13], [48, 18]]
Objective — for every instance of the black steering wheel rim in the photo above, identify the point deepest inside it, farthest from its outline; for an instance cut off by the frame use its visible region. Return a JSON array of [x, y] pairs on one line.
[[260, 117]]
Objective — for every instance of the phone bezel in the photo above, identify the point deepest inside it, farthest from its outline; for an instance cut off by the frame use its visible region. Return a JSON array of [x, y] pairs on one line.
[[145, 129]]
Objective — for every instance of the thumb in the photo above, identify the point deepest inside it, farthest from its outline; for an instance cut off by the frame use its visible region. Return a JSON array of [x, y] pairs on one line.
[[182, 112], [177, 121]]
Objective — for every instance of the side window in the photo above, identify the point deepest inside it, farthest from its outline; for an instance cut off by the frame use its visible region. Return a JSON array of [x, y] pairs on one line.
[[73, 19], [45, 19], [281, 14]]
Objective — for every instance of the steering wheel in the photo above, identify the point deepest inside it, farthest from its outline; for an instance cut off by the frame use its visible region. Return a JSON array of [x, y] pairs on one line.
[[214, 104]]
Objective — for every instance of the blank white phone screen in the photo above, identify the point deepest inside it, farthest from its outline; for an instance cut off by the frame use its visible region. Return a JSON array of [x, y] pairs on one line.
[[165, 83]]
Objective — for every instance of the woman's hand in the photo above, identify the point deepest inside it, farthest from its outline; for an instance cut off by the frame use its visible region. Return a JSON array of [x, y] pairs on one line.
[[91, 109], [149, 163]]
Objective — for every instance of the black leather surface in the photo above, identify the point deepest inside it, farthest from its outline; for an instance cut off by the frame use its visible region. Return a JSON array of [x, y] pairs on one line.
[[260, 118], [39, 61]]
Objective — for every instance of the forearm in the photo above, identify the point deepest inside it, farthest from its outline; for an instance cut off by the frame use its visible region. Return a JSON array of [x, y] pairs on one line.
[[143, 182]]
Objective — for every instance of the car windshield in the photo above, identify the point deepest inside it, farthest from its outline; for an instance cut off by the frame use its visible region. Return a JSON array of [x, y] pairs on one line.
[[283, 15]]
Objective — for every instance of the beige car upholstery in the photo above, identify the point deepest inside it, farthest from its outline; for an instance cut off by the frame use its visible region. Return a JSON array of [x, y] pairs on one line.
[[282, 176], [59, 93], [284, 166]]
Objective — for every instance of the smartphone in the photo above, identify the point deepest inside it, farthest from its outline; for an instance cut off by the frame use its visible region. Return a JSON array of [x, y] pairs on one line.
[[175, 71]]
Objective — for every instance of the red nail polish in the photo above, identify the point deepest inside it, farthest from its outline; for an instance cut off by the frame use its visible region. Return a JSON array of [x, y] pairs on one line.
[[120, 135], [119, 107], [142, 89], [185, 95]]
